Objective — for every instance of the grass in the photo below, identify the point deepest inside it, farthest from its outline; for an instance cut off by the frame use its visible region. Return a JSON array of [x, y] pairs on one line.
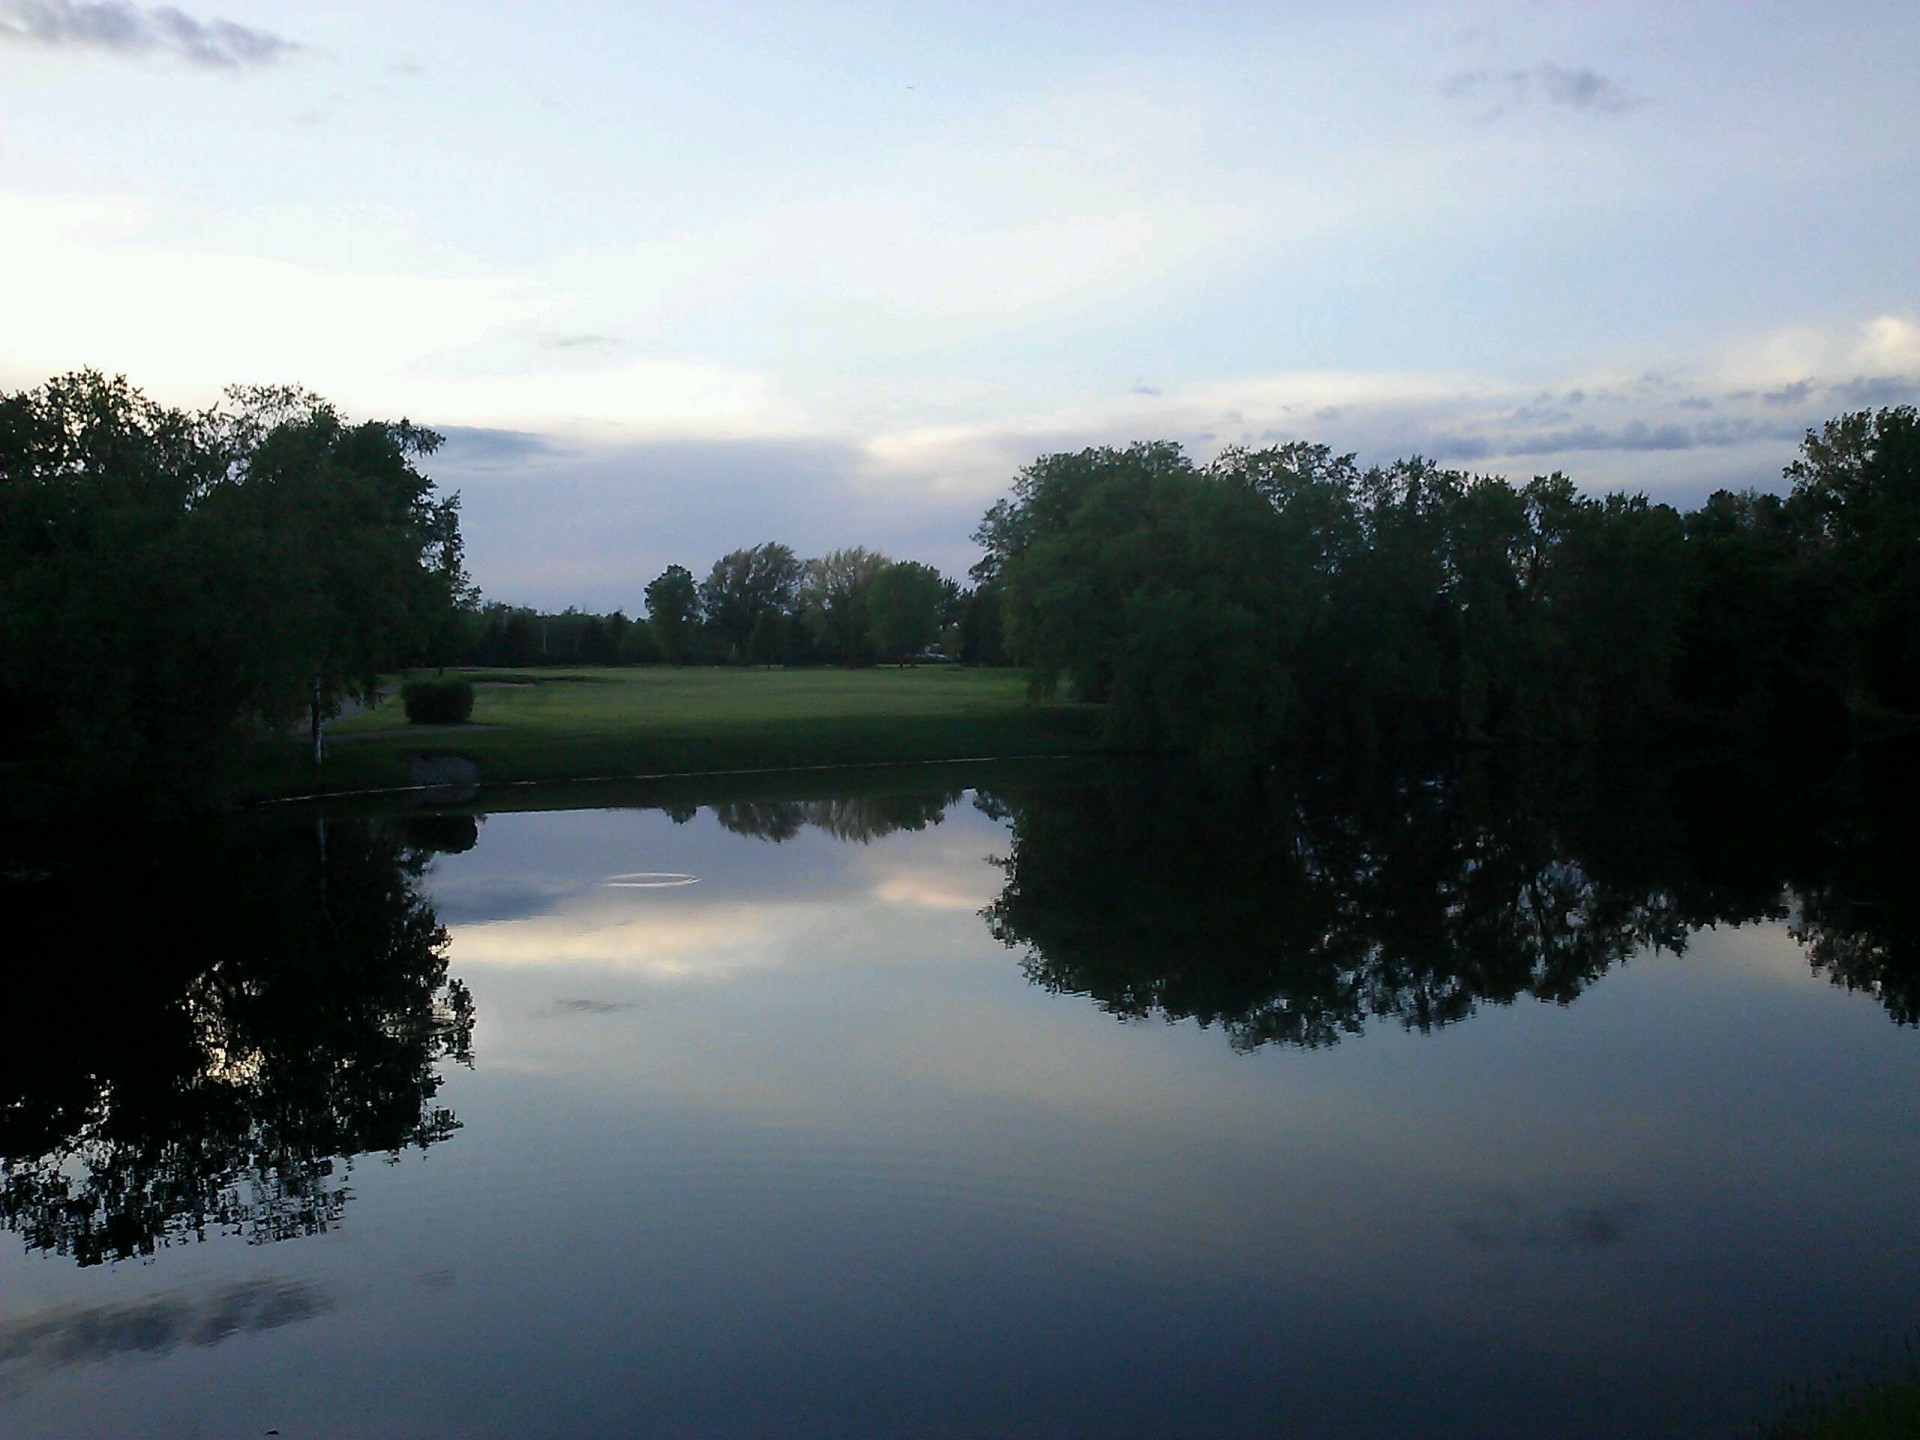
[[571, 724]]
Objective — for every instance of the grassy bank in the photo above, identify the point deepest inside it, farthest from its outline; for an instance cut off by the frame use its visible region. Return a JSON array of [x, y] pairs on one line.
[[567, 724]]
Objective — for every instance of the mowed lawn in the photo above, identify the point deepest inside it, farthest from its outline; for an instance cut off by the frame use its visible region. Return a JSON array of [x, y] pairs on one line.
[[567, 724]]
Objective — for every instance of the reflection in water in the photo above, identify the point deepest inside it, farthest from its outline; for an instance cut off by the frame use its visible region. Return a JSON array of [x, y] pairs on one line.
[[861, 818], [202, 1031], [1506, 1224], [72, 1335], [863, 1148], [1297, 921]]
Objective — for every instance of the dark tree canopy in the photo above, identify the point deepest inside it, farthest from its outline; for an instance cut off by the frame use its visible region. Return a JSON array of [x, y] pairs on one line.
[[1286, 603], [170, 580]]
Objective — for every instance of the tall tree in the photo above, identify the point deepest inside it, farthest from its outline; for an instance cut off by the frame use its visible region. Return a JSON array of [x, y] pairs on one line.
[[833, 603], [745, 585], [905, 607], [673, 609], [169, 580]]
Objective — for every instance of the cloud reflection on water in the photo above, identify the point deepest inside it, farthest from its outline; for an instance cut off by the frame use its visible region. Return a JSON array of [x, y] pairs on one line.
[[72, 1335]]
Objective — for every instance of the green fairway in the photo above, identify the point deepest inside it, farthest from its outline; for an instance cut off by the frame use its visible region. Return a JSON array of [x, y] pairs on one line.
[[568, 724]]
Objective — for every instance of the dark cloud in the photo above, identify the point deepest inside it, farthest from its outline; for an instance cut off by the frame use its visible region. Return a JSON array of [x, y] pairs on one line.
[[1504, 1224], [1863, 392], [1582, 89], [115, 27], [1489, 94], [1696, 402], [1146, 390], [595, 1007], [1794, 394], [476, 445], [1456, 447], [1538, 414], [85, 1336], [1636, 435]]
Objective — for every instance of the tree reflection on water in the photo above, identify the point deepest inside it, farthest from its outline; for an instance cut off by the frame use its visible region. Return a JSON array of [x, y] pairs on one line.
[[1300, 919], [207, 1028]]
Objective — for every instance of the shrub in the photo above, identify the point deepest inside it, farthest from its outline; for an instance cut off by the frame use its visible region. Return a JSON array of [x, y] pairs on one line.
[[438, 702]]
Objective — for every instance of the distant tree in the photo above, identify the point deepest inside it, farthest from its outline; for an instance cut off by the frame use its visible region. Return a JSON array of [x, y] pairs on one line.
[[639, 645], [767, 645], [673, 609], [833, 603], [905, 605], [745, 585]]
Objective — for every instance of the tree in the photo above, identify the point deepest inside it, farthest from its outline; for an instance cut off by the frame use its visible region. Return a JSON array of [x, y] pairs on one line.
[[743, 586], [833, 603], [767, 645], [170, 580], [369, 555], [1856, 490], [905, 606], [673, 609], [1149, 585]]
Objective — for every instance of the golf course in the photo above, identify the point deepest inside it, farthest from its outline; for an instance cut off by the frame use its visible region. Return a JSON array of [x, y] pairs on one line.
[[541, 724]]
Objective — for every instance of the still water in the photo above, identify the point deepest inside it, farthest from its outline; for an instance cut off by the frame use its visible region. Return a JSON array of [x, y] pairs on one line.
[[942, 1108]]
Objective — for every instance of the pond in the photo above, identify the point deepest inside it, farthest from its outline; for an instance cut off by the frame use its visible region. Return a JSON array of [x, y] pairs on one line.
[[942, 1103]]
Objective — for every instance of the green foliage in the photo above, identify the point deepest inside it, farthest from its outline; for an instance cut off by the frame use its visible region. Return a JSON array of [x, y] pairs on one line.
[[171, 580], [1856, 487], [767, 645], [1284, 601], [498, 634], [833, 604], [746, 586], [673, 610], [444, 701], [639, 645], [904, 608]]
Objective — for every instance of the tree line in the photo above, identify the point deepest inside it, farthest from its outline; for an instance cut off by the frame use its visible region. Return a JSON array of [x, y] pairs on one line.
[[763, 605], [173, 581], [1286, 602]]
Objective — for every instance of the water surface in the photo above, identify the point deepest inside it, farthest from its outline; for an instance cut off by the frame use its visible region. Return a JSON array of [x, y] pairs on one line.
[[931, 1110]]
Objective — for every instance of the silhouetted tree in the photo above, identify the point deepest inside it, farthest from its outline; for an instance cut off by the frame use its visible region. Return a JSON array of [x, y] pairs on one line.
[[673, 609]]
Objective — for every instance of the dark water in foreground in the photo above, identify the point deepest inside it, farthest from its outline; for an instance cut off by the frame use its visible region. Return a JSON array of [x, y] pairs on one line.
[[804, 1116]]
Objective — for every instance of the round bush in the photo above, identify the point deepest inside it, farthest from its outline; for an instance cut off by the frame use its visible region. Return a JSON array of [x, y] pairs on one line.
[[438, 702]]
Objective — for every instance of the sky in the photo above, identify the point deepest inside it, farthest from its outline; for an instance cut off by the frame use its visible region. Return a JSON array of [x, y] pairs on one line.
[[679, 278]]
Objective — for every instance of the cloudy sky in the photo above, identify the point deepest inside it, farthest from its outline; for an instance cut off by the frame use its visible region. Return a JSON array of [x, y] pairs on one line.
[[675, 278]]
